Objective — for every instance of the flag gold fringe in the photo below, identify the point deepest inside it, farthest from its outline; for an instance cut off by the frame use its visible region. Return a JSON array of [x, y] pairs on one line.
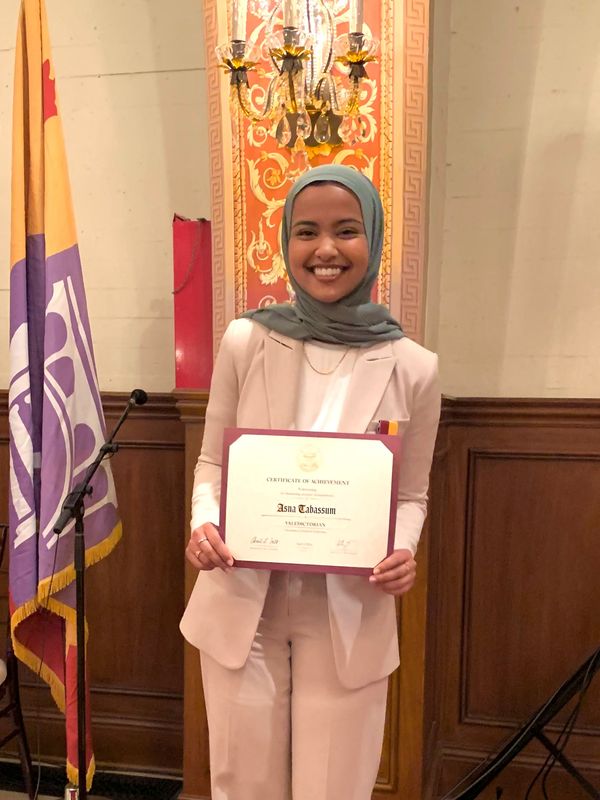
[[30, 659], [73, 773], [62, 579], [55, 583]]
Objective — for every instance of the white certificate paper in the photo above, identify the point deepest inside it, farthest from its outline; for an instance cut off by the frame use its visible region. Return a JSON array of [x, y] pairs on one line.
[[308, 501]]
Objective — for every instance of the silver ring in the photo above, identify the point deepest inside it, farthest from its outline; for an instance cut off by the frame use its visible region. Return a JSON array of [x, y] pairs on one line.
[[205, 539]]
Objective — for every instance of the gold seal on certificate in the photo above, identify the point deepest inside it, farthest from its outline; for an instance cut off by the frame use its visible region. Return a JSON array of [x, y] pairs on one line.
[[309, 501]]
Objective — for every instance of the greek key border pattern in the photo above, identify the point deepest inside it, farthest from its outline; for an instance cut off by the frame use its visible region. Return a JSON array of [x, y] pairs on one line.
[[386, 147], [218, 185], [416, 41]]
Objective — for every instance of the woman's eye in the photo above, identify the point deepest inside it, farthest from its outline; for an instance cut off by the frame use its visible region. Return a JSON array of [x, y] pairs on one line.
[[347, 232], [305, 233]]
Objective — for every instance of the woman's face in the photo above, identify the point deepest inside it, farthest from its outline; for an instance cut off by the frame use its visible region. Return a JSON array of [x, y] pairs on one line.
[[328, 252]]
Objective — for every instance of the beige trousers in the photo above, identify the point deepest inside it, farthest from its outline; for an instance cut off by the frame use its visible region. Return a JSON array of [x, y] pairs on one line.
[[283, 726]]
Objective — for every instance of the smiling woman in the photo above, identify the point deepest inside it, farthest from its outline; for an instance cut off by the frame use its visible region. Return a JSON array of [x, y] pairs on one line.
[[349, 318], [328, 249], [332, 361]]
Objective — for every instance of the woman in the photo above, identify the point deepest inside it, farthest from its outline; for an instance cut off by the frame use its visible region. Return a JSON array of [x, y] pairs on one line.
[[295, 665]]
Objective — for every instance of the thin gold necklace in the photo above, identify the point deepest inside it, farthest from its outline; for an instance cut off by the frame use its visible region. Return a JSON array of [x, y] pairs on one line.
[[326, 371]]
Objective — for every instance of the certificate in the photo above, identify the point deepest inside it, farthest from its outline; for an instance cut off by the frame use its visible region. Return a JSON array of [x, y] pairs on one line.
[[314, 502]]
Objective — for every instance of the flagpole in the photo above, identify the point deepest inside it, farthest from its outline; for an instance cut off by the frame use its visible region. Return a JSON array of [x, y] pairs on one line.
[[79, 559]]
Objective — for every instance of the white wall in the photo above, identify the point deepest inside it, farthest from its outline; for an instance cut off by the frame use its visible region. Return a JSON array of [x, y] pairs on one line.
[[515, 253], [131, 86], [439, 45], [514, 246]]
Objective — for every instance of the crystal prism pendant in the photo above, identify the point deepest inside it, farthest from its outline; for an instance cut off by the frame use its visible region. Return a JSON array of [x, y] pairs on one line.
[[303, 125], [322, 129], [283, 133]]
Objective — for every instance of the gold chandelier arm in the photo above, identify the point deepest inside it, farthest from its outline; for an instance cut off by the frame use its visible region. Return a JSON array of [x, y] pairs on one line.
[[254, 115], [247, 111]]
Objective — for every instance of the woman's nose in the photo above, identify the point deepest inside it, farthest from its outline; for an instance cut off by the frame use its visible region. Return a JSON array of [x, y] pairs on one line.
[[326, 249]]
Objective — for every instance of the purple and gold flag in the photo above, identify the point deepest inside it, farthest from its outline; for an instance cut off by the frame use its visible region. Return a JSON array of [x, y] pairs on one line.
[[55, 412]]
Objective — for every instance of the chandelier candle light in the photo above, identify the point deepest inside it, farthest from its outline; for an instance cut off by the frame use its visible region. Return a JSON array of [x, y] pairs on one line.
[[307, 104]]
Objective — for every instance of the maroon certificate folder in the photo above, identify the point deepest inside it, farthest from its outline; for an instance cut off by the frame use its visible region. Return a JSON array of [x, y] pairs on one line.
[[315, 502]]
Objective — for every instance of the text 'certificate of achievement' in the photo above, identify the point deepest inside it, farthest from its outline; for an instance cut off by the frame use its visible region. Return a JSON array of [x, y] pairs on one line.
[[315, 502]]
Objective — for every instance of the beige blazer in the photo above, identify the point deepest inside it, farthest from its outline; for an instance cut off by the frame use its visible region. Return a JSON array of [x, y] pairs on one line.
[[254, 385]]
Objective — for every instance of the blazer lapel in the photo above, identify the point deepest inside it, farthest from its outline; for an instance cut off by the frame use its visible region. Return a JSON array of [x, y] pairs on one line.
[[283, 357], [370, 378]]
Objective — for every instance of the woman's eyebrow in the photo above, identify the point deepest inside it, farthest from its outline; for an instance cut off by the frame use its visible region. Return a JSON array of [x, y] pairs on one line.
[[305, 222], [313, 224]]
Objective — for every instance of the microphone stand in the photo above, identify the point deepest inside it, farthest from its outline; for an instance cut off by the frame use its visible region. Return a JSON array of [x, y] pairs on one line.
[[73, 508]]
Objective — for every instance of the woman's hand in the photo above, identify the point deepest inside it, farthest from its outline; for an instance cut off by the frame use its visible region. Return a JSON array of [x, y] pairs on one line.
[[206, 550], [395, 574]]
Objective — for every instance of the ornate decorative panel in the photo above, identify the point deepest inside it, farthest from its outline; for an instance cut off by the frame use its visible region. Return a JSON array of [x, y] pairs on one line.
[[251, 174]]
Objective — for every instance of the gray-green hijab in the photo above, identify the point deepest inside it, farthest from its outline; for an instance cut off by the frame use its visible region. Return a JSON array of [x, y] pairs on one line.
[[354, 320]]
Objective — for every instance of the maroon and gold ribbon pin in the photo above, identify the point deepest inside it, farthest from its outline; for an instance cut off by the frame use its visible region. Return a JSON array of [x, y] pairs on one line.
[[388, 426]]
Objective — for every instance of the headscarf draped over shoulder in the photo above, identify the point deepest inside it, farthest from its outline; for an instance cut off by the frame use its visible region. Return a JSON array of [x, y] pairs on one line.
[[354, 320]]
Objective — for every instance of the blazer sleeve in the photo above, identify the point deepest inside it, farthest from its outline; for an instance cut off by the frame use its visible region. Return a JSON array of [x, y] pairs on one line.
[[417, 453], [221, 413]]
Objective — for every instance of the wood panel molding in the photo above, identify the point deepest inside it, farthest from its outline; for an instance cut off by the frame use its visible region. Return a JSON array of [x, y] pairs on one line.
[[515, 780], [514, 563], [491, 411]]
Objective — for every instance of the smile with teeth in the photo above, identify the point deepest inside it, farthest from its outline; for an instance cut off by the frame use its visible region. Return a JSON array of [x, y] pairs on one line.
[[327, 272]]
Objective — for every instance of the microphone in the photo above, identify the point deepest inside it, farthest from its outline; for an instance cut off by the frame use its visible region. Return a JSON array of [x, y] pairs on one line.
[[138, 397]]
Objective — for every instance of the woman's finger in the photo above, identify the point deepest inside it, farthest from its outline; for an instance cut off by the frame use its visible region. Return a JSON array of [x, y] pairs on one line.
[[394, 573], [196, 557], [218, 545], [207, 554], [208, 548], [400, 587], [403, 571]]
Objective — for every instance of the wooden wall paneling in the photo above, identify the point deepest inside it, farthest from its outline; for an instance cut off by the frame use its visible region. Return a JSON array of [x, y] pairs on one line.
[[387, 777], [138, 659], [134, 602], [411, 722], [511, 560], [516, 778], [196, 769], [433, 701], [409, 706], [532, 587], [398, 779], [518, 594]]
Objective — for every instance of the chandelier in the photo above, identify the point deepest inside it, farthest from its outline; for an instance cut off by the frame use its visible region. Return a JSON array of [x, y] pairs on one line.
[[310, 94]]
